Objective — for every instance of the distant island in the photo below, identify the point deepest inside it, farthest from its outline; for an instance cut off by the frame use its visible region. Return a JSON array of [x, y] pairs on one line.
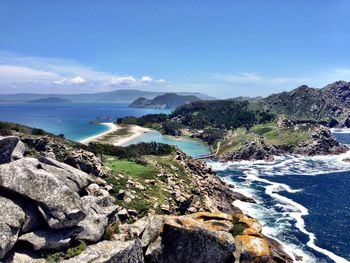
[[116, 96], [50, 100], [165, 101]]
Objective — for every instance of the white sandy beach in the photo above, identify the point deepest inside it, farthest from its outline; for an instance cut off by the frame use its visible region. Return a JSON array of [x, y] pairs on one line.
[[114, 138]]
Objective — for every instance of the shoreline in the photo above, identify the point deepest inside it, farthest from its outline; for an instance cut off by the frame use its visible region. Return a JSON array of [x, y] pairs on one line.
[[117, 135], [111, 127], [273, 190]]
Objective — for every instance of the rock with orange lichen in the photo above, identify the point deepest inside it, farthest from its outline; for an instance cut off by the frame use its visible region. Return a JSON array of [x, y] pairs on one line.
[[254, 246], [199, 237], [251, 223]]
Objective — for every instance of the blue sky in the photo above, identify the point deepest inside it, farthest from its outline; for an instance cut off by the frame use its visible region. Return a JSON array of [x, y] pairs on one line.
[[222, 48]]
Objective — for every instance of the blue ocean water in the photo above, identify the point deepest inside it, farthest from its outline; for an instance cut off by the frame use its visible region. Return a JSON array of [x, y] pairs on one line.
[[191, 147], [71, 119], [303, 202], [74, 121]]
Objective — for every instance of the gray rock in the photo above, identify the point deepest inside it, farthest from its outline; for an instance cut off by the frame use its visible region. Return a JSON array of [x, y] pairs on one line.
[[59, 204], [49, 239], [11, 148], [154, 252], [152, 230], [322, 142], [72, 176], [99, 211], [201, 237], [24, 257], [253, 150], [195, 245], [111, 252], [85, 161], [11, 218]]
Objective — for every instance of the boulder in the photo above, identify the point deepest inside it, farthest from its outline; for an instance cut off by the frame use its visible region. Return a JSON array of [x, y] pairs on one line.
[[11, 148], [252, 249], [111, 252], [58, 201], [85, 161], [11, 218], [99, 211], [49, 239], [200, 237], [152, 230], [24, 257], [75, 178], [277, 252], [185, 241]]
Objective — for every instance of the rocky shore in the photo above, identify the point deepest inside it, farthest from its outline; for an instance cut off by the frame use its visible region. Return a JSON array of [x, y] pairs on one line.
[[56, 206], [321, 142]]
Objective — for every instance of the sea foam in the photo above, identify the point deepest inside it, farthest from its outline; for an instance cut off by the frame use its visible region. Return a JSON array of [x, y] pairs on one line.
[[291, 210]]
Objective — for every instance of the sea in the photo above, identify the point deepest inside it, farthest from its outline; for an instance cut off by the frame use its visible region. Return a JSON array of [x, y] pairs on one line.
[[79, 121], [304, 202]]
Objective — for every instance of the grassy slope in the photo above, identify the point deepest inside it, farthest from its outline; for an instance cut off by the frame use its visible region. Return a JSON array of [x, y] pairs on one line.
[[270, 133], [154, 195]]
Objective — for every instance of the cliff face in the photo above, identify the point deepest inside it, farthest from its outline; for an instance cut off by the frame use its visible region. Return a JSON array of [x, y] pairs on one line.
[[56, 201]]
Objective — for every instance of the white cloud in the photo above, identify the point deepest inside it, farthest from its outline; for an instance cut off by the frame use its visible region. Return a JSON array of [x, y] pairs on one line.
[[146, 79], [22, 72], [123, 81], [78, 80], [255, 79]]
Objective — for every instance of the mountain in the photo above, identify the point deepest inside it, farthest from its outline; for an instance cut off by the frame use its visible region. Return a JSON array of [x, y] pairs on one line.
[[117, 96], [332, 101], [165, 101], [50, 100]]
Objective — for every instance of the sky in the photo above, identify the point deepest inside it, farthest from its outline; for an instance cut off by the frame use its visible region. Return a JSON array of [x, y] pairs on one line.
[[220, 48]]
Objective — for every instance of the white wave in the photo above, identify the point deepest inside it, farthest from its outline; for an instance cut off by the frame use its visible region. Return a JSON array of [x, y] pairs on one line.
[[291, 210], [342, 130], [273, 190]]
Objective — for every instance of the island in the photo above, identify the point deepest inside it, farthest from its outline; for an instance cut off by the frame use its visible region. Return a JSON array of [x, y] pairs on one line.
[[165, 101], [50, 100]]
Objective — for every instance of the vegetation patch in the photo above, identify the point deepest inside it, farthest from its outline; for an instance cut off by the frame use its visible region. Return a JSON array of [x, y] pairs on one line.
[[67, 254]]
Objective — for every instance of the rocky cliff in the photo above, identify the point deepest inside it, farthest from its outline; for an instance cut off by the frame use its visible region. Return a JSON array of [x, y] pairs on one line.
[[332, 101], [318, 141], [57, 206]]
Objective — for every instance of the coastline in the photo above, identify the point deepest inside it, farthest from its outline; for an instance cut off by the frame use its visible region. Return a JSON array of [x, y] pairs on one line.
[[118, 135], [111, 127], [252, 170]]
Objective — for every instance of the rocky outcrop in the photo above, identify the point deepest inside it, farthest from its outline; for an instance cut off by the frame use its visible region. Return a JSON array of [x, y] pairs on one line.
[[11, 149], [110, 252], [253, 150], [203, 237], [321, 143], [100, 211], [85, 161], [49, 204], [77, 158], [209, 193], [58, 202]]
